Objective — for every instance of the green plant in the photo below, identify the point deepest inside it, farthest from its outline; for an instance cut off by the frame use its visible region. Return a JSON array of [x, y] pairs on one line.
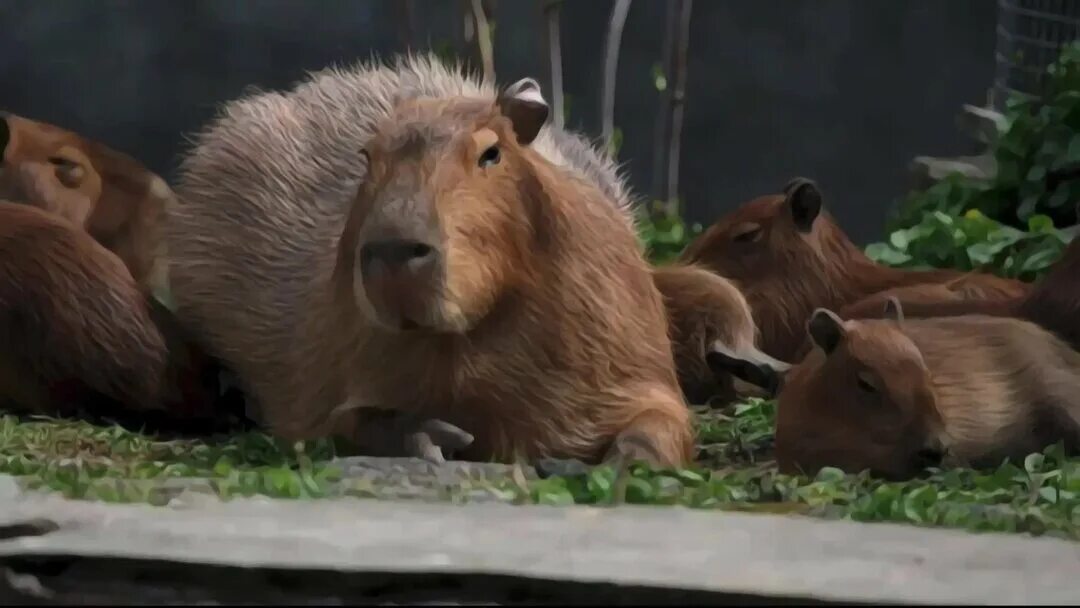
[[664, 232], [975, 242], [1037, 153]]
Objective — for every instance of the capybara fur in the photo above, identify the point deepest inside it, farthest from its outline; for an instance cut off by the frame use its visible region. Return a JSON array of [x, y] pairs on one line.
[[1053, 301], [404, 237], [788, 256], [708, 314], [110, 194], [72, 320], [895, 396]]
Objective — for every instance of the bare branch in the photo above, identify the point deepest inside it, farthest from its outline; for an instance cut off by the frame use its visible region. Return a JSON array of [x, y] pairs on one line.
[[483, 40], [678, 98], [663, 110], [611, 65], [553, 46]]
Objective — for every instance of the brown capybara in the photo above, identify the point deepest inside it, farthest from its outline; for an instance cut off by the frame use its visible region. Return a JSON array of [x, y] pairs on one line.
[[1053, 302], [708, 315], [788, 256], [895, 396], [72, 320], [405, 237], [114, 197]]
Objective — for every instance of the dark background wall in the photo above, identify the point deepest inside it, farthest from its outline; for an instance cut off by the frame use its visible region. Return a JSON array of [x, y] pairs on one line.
[[844, 91]]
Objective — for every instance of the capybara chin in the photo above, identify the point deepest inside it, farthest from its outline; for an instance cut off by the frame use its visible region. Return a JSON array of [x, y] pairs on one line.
[[896, 395], [403, 237], [788, 256], [73, 323], [111, 195], [709, 319]]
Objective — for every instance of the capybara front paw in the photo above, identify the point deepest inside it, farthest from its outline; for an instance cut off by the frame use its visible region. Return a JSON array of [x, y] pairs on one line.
[[434, 440], [633, 446]]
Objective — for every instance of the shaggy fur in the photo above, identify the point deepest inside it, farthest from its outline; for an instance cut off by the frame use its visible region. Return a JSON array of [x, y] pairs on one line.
[[564, 345], [896, 396], [114, 197], [71, 319], [707, 313], [788, 256]]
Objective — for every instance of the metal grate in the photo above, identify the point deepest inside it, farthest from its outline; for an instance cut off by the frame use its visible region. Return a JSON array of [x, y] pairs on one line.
[[1030, 35]]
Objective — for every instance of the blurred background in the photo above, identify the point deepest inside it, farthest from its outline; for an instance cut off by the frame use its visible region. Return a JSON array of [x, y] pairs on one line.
[[847, 92]]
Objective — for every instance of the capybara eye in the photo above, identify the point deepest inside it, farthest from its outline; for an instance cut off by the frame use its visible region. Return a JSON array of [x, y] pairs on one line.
[[489, 157], [60, 161], [865, 384], [749, 235]]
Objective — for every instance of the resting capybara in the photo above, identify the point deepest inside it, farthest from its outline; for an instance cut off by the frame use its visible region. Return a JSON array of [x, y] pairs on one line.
[[72, 320], [114, 197], [788, 256], [708, 315], [898, 395], [403, 237], [1053, 302]]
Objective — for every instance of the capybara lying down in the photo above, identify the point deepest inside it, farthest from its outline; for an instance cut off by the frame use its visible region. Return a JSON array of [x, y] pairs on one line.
[[114, 197], [1053, 302], [708, 317], [405, 238], [788, 256], [76, 333], [896, 396]]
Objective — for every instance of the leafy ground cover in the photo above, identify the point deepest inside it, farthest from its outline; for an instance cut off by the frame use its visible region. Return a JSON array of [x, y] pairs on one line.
[[735, 471]]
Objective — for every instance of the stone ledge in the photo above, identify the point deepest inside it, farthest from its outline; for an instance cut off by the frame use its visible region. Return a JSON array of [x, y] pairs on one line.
[[657, 547]]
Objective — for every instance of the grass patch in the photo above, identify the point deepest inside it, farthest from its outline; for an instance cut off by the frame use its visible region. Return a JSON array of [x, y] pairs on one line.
[[735, 472]]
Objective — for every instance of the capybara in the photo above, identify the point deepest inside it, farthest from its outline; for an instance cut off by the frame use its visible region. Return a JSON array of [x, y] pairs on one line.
[[895, 396], [405, 237], [707, 314], [1053, 302], [110, 194], [72, 320], [788, 256]]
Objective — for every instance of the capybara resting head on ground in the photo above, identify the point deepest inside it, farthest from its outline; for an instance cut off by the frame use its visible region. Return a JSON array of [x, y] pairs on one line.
[[406, 238], [896, 396], [709, 318], [788, 256], [114, 197]]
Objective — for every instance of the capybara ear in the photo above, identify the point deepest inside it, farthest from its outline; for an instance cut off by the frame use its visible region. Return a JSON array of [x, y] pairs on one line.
[[893, 310], [825, 329], [759, 375], [5, 134], [804, 201], [525, 106]]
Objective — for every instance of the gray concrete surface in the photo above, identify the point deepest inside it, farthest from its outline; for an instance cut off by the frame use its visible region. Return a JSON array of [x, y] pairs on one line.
[[658, 548]]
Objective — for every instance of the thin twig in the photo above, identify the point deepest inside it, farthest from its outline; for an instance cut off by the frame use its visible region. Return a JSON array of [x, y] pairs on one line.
[[678, 99], [554, 53], [611, 65], [663, 114], [483, 40]]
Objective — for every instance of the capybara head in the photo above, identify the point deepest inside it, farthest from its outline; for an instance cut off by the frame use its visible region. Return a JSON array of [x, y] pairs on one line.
[[113, 196], [443, 220], [862, 399]]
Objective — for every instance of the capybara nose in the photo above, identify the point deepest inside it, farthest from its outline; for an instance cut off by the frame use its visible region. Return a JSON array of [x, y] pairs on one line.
[[397, 257]]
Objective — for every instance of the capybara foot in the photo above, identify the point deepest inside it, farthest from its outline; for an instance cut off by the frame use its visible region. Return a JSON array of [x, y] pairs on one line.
[[656, 438], [398, 434]]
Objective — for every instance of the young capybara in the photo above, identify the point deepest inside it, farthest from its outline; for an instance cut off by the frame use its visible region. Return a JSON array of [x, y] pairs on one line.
[[404, 237], [788, 256], [114, 197], [72, 320], [895, 396], [707, 315], [1053, 302]]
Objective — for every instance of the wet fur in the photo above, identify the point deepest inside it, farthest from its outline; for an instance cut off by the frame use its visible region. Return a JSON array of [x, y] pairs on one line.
[[981, 388], [119, 201], [264, 196], [789, 273]]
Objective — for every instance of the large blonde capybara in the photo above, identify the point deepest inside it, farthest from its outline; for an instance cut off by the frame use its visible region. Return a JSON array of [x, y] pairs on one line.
[[110, 194], [403, 237]]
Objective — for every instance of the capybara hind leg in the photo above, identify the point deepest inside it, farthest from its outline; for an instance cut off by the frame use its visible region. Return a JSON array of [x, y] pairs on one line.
[[657, 437]]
